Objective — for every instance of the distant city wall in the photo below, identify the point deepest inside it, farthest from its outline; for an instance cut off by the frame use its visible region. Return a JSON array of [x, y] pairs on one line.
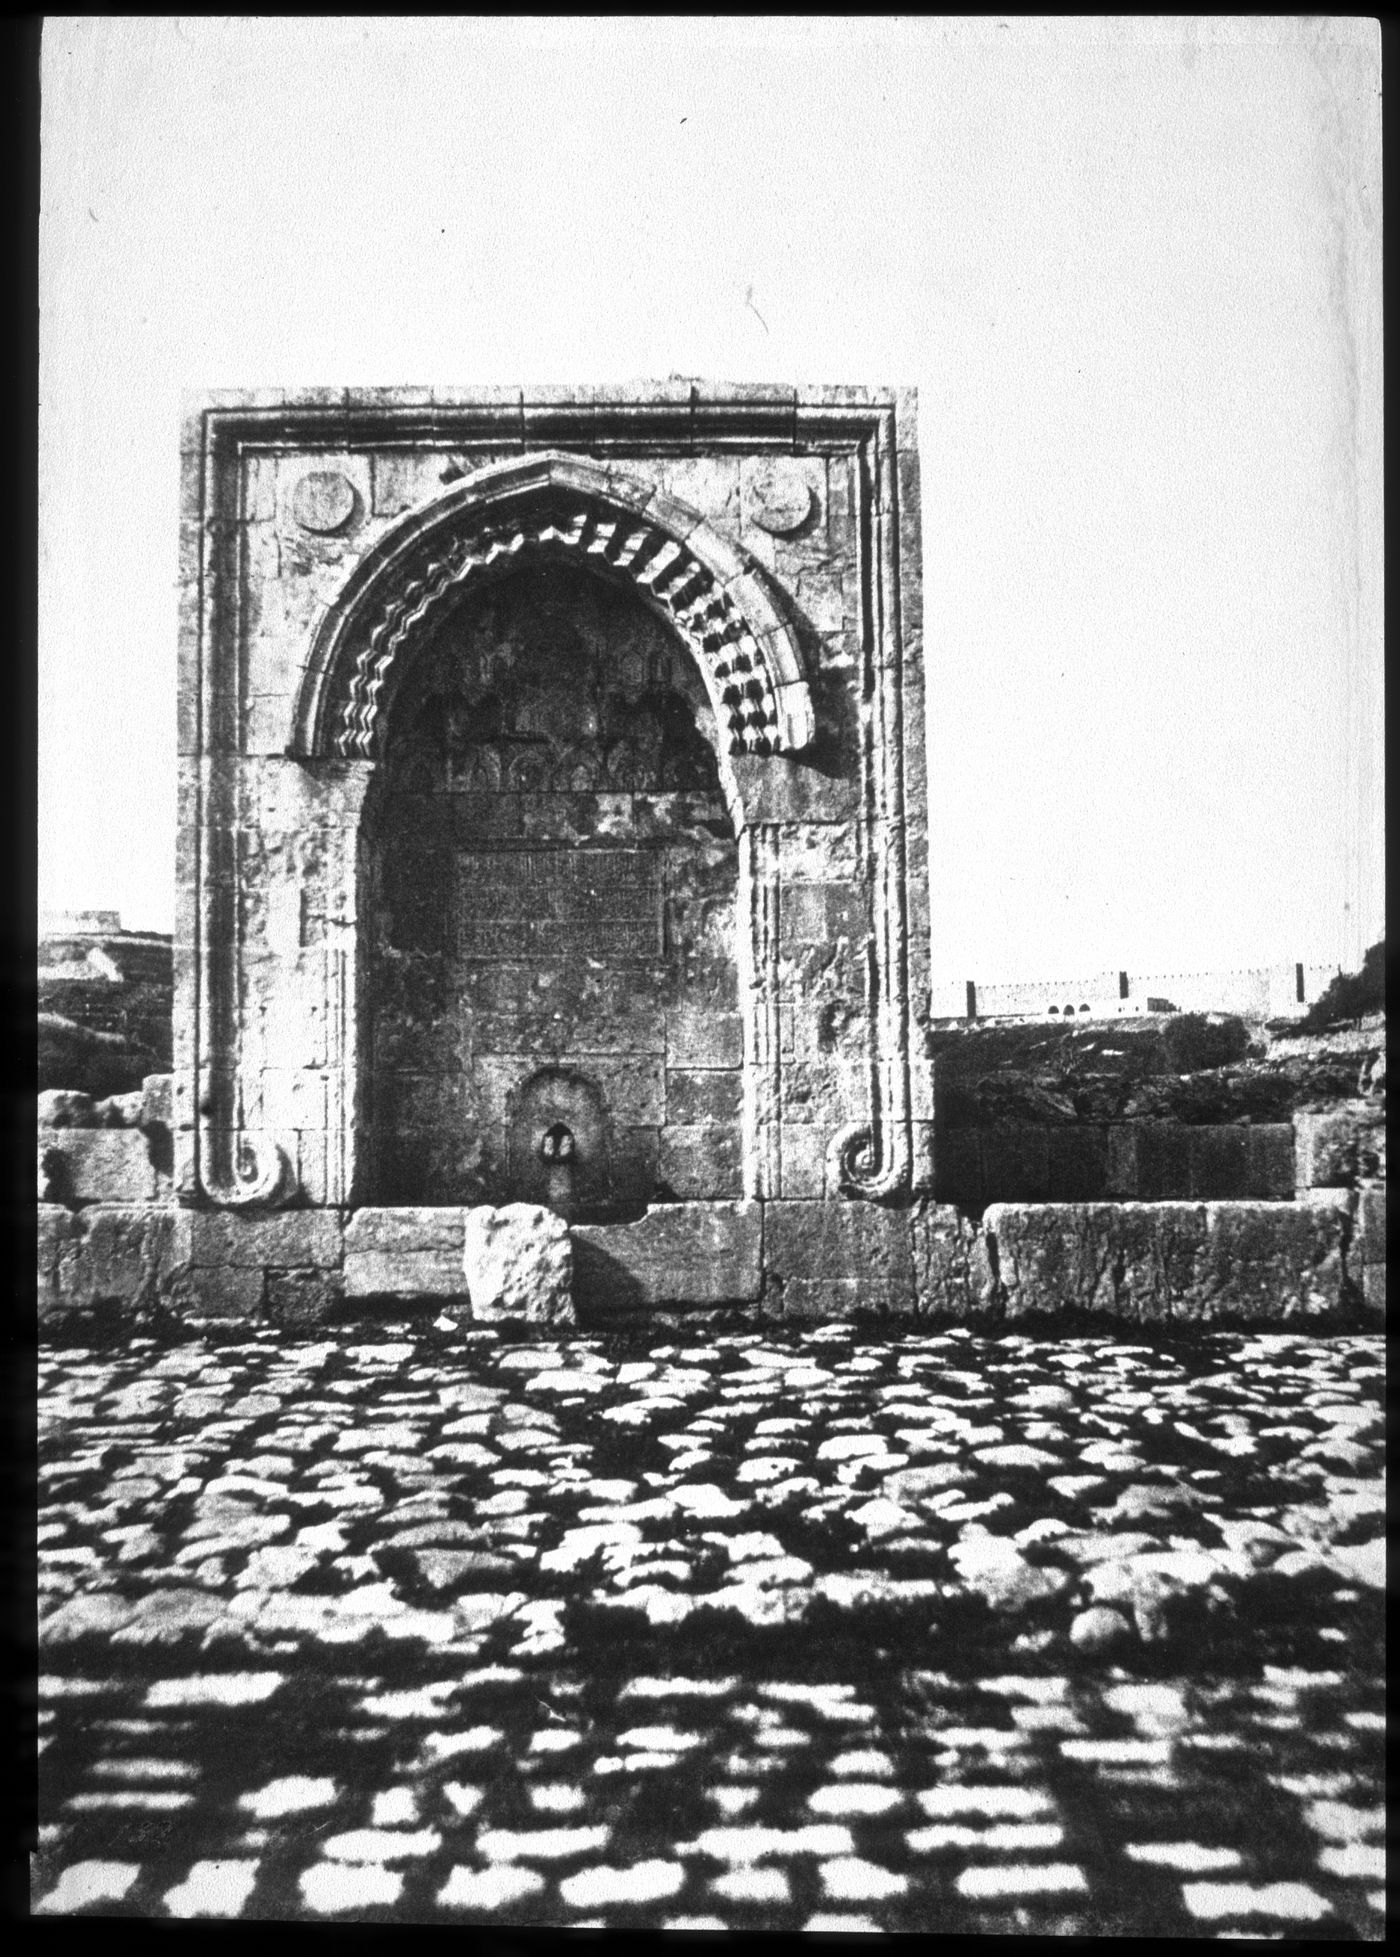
[[1258, 991]]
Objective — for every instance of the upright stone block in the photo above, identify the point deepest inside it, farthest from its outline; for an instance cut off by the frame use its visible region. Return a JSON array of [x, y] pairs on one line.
[[944, 1244], [217, 1295], [700, 1162], [1273, 1262]]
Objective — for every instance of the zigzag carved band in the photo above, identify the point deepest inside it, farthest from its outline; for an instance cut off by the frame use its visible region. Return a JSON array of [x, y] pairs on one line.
[[735, 666]]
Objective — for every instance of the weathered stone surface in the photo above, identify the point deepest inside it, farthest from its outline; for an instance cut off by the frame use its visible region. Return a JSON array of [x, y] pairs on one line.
[[678, 1253], [118, 1111], [1271, 1172], [518, 1264], [217, 1295], [1078, 1164], [1159, 1262], [157, 1101], [1267, 1260], [1219, 1162], [700, 1162], [943, 1243], [1016, 1164], [113, 1254], [1337, 1147], [303, 1298], [816, 1300], [408, 1252], [700, 1038], [96, 1165], [56, 1227], [282, 1240], [702, 1095], [1099, 1629], [1370, 1226], [60, 1108], [839, 1240]]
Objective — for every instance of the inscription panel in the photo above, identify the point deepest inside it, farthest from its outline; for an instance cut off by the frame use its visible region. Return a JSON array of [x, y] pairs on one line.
[[550, 904]]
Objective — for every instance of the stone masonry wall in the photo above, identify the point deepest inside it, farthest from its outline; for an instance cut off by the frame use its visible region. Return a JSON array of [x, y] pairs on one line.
[[1147, 1264], [1163, 1108]]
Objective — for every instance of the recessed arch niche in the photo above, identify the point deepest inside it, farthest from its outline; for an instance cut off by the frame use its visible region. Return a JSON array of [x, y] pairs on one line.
[[549, 877]]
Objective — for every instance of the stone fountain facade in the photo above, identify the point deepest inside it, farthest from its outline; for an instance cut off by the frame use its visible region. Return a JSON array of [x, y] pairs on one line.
[[552, 763]]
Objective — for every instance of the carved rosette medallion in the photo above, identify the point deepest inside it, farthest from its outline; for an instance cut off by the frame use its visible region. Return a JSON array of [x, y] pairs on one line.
[[323, 502], [781, 501]]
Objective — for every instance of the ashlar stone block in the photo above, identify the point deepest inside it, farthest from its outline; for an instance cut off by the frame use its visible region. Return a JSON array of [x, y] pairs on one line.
[[677, 1254], [1169, 1262], [404, 1252], [103, 1165], [282, 1240], [518, 1263], [117, 1253], [301, 1299], [700, 1161], [840, 1240]]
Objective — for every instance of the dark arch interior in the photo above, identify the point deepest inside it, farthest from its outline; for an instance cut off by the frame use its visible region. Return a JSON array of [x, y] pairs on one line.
[[548, 875]]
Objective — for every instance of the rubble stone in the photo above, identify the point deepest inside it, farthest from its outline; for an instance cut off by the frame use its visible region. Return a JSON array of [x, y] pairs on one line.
[[517, 1264], [1339, 1146], [60, 1108]]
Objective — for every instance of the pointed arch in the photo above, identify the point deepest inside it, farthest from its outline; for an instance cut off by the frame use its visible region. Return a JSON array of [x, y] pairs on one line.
[[553, 504]]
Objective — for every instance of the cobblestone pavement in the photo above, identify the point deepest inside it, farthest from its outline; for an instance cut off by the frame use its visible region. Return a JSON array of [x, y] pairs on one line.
[[928, 1633]]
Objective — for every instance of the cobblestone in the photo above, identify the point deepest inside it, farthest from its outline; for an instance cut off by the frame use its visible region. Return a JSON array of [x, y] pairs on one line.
[[811, 1632]]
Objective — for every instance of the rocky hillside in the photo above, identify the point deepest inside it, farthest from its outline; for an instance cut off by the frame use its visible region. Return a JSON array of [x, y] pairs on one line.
[[104, 1010]]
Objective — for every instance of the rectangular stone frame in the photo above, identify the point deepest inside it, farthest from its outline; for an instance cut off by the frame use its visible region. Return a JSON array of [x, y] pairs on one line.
[[243, 799]]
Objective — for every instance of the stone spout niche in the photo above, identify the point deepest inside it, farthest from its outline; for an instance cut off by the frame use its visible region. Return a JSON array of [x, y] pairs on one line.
[[553, 815]]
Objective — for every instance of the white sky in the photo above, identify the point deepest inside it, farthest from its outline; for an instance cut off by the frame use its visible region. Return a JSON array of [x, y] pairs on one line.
[[1133, 268]]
